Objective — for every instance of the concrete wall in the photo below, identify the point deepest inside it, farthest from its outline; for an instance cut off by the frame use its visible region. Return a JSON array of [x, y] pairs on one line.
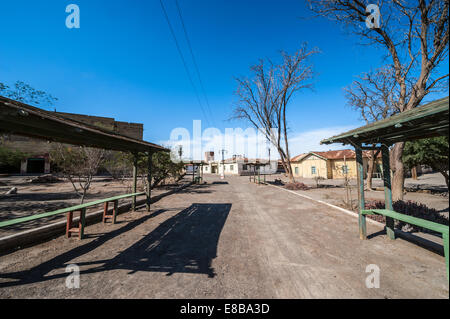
[[330, 169], [238, 168], [304, 168]]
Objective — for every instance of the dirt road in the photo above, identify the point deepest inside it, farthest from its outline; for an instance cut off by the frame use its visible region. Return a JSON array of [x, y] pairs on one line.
[[226, 239]]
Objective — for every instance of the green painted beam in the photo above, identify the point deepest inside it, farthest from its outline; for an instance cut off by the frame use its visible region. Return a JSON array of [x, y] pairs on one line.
[[443, 229], [387, 190], [361, 199], [65, 210]]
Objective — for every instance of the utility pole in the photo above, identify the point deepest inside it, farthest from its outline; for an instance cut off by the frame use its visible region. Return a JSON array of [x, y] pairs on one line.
[[180, 152], [223, 163]]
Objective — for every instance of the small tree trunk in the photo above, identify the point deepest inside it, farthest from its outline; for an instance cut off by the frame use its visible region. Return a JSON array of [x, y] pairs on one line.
[[290, 173], [83, 196], [398, 168], [414, 173]]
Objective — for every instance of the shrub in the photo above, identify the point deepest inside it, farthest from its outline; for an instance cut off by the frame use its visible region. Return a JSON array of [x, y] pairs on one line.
[[296, 186]]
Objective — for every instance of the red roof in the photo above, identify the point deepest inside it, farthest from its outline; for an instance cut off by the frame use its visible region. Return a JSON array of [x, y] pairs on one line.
[[332, 155]]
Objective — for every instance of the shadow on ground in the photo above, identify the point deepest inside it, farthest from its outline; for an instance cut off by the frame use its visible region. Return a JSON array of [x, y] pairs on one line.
[[184, 243]]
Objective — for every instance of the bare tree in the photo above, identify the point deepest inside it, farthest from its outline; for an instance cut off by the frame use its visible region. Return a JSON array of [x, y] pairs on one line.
[[415, 38], [264, 98], [79, 164], [374, 95]]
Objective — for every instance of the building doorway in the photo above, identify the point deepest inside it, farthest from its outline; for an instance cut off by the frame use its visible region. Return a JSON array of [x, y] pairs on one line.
[[35, 165]]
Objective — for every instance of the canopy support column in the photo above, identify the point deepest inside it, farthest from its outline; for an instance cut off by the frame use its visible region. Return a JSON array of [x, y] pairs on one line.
[[361, 200], [387, 190], [135, 160], [149, 181]]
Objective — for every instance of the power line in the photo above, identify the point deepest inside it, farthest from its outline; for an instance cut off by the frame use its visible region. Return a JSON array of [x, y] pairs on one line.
[[182, 59], [194, 60]]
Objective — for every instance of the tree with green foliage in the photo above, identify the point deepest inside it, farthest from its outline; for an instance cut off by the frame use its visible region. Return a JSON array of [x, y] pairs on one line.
[[10, 159], [118, 164], [432, 152], [25, 93], [162, 168]]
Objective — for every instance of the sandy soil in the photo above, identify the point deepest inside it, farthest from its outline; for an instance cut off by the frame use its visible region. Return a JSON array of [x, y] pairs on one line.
[[34, 199], [226, 239]]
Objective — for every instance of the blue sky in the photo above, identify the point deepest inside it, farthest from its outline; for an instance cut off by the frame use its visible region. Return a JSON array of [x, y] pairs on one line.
[[123, 62]]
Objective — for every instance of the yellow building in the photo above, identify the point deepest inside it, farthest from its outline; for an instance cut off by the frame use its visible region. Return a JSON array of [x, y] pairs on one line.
[[330, 165]]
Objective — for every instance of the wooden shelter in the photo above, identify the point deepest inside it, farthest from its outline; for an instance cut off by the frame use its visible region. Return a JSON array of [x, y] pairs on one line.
[[22, 119], [425, 121]]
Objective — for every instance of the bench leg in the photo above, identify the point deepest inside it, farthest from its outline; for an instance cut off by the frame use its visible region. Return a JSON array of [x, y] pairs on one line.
[[82, 223], [362, 226], [116, 205], [445, 238], [390, 228], [69, 224], [105, 211]]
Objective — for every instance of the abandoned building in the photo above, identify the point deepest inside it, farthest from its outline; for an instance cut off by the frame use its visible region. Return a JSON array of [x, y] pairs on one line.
[[331, 164], [37, 150], [237, 165]]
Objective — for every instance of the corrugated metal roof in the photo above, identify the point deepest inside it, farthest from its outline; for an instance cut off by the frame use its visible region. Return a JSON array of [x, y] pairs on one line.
[[421, 122]]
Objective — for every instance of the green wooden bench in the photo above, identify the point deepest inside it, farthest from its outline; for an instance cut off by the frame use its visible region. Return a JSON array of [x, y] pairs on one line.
[[70, 227], [439, 228]]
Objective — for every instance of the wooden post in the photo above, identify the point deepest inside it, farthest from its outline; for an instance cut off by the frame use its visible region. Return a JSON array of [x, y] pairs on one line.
[[82, 223], [149, 181], [115, 211], [387, 190], [105, 212], [133, 203], [69, 224], [360, 174]]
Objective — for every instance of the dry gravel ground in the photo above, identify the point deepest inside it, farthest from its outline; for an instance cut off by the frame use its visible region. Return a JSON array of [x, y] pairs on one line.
[[226, 240]]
